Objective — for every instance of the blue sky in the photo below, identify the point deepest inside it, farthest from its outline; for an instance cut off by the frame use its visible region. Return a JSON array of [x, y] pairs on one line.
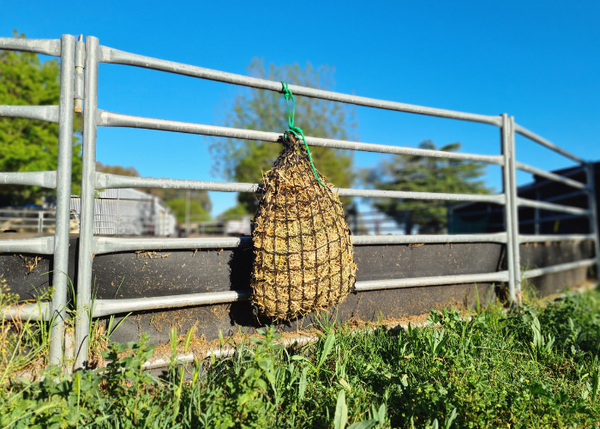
[[538, 61]]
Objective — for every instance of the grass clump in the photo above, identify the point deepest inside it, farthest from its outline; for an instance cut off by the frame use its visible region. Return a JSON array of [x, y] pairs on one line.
[[535, 367], [24, 345]]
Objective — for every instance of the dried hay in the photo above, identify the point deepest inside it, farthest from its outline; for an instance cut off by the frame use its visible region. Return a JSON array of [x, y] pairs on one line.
[[303, 253]]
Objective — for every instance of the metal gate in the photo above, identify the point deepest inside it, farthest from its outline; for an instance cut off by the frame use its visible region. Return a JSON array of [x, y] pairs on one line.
[[79, 57]]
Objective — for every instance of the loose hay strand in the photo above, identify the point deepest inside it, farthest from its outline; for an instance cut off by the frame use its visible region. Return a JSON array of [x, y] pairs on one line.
[[303, 253]]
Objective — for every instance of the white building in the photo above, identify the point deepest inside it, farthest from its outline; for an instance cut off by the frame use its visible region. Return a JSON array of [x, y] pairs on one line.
[[129, 212]]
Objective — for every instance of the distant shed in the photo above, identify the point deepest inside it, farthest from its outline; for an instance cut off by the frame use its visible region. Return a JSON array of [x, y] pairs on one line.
[[471, 218], [129, 212]]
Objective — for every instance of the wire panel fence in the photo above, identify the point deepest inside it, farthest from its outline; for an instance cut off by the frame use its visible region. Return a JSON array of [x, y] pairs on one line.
[[84, 87]]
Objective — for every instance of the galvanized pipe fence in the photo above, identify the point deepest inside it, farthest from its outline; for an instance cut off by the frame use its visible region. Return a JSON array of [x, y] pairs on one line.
[[60, 179], [79, 81]]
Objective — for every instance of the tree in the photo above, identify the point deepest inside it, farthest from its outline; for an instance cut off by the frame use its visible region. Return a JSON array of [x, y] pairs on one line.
[[425, 174], [117, 169], [246, 161], [233, 213], [27, 145], [200, 197], [197, 212]]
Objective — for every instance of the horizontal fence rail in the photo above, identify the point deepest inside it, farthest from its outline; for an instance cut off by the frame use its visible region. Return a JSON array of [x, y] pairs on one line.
[[41, 113], [43, 179], [532, 136], [344, 192], [50, 47], [542, 183], [564, 196], [559, 268], [39, 311], [551, 176], [107, 307], [113, 181], [552, 207], [115, 244], [41, 245], [110, 119], [115, 56], [60, 179], [104, 181], [541, 220], [496, 210], [501, 276], [554, 237]]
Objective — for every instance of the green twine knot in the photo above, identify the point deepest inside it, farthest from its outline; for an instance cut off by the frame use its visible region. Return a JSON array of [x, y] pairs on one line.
[[297, 131]]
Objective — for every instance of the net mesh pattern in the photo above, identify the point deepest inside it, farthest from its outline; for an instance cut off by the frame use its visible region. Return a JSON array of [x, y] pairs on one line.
[[303, 254]]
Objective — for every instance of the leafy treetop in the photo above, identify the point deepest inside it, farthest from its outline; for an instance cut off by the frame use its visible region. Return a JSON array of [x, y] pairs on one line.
[[425, 174], [246, 161], [28, 145]]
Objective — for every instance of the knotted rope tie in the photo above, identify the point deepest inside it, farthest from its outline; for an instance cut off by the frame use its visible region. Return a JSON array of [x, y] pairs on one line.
[[297, 131]]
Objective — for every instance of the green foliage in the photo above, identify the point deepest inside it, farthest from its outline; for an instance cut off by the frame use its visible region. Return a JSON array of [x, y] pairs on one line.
[[27, 145], [197, 212], [425, 174], [234, 212], [200, 197], [117, 169], [22, 343], [481, 372], [246, 161]]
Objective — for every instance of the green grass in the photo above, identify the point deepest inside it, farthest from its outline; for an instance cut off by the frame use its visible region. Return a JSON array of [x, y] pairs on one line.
[[535, 367], [22, 345]]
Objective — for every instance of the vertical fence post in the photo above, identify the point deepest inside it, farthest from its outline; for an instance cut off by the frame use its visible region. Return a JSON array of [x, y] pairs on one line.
[[63, 196], [88, 185], [117, 214], [514, 209], [536, 215], [509, 189], [593, 217], [187, 213]]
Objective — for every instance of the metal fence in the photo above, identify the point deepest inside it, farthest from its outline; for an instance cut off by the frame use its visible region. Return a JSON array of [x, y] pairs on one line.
[[78, 57], [60, 179], [27, 220]]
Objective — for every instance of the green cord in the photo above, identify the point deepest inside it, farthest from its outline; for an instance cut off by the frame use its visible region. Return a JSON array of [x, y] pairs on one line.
[[297, 131]]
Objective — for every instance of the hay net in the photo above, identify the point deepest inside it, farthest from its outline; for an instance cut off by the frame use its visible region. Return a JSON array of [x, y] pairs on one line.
[[303, 254]]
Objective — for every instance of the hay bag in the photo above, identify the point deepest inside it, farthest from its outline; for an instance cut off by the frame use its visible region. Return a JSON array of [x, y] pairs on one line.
[[303, 253]]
